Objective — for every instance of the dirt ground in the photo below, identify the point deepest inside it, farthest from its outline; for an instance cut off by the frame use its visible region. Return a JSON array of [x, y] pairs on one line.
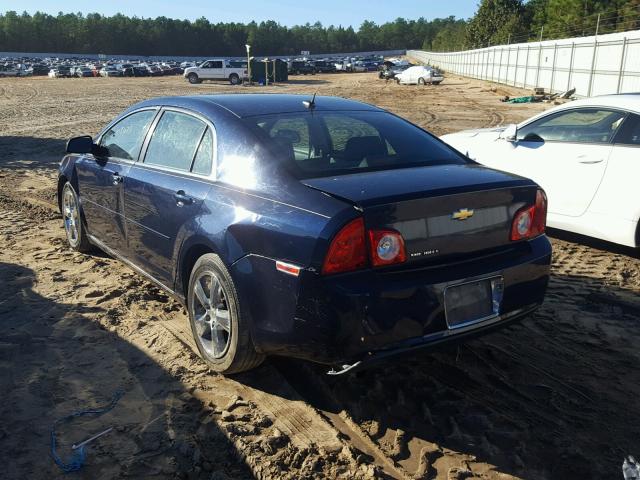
[[553, 397]]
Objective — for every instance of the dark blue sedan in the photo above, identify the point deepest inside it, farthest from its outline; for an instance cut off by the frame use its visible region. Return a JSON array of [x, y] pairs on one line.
[[324, 229]]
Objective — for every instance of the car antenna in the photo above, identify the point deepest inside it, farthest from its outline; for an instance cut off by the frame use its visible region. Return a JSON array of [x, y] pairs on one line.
[[310, 104]]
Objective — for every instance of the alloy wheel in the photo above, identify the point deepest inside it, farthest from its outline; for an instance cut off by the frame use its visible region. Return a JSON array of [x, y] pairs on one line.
[[71, 215], [211, 314]]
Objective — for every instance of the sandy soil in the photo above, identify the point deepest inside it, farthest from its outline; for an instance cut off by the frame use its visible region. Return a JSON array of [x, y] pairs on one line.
[[553, 397]]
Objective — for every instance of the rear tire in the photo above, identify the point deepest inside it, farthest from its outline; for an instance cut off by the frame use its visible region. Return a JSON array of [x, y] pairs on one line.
[[72, 217], [234, 79], [193, 78], [219, 324]]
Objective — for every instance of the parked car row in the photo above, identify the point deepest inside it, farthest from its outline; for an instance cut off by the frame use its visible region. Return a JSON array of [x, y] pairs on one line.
[[307, 66], [85, 67]]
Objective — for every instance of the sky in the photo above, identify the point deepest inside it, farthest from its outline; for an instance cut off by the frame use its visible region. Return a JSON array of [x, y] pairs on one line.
[[286, 12]]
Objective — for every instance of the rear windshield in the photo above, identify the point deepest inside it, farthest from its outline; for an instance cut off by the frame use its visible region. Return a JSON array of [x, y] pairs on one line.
[[318, 144]]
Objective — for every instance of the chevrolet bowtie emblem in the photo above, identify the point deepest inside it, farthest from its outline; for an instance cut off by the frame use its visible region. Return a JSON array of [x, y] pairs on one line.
[[462, 214]]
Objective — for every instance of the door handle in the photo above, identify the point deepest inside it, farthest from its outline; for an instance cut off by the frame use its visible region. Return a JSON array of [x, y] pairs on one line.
[[591, 162], [116, 179], [182, 198]]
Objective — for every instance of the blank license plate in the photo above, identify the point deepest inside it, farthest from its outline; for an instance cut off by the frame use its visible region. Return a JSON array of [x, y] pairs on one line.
[[473, 301]]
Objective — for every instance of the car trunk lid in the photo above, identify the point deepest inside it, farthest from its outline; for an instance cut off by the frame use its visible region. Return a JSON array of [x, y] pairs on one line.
[[440, 210]]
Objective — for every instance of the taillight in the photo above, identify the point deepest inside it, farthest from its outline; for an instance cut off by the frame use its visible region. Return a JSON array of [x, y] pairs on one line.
[[387, 247], [348, 249], [530, 221]]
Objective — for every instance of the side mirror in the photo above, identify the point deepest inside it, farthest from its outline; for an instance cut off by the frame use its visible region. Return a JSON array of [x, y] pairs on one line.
[[82, 144], [510, 134]]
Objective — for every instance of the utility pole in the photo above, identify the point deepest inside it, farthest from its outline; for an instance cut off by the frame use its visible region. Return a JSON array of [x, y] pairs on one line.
[[248, 47], [541, 32], [598, 25]]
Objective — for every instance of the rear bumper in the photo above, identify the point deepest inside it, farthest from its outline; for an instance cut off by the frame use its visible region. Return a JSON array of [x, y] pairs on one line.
[[374, 315]]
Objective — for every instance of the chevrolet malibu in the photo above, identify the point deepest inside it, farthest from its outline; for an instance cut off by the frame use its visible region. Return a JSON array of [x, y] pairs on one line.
[[318, 228]]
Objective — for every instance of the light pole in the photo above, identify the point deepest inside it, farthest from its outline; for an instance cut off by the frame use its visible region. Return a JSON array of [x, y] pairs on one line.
[[248, 62]]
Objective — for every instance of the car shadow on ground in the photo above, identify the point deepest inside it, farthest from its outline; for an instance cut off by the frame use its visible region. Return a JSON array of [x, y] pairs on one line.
[[550, 397], [24, 152], [56, 359], [594, 243], [304, 81]]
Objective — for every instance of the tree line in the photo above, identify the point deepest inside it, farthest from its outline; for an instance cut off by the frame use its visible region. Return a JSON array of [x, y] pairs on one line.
[[120, 34], [498, 22], [495, 22]]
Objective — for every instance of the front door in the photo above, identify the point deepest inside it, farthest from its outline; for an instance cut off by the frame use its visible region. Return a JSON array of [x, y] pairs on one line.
[[164, 192], [566, 153], [100, 179]]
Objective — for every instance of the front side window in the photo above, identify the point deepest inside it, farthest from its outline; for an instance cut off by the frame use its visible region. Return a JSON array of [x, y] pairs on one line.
[[629, 133], [206, 65], [125, 138], [174, 141], [586, 125], [335, 143]]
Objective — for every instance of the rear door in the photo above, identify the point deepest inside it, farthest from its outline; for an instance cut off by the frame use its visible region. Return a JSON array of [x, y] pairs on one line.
[[100, 179], [566, 153], [217, 69], [165, 190]]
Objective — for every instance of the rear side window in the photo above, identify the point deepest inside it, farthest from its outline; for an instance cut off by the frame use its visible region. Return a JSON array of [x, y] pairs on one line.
[[629, 133], [335, 143], [125, 138], [292, 135], [204, 155], [584, 125], [174, 141]]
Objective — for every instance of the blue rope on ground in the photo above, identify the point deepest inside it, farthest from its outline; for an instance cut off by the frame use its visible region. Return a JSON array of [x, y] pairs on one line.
[[76, 461]]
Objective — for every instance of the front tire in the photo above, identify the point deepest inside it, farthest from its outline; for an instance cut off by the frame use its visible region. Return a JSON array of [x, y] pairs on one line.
[[193, 78], [234, 79], [421, 81], [218, 322], [72, 216]]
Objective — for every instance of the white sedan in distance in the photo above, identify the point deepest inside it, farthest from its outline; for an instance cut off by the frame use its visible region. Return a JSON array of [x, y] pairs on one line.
[[419, 74], [584, 154]]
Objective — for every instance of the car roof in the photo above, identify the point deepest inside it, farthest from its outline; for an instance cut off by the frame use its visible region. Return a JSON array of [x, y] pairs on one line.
[[624, 101], [252, 104]]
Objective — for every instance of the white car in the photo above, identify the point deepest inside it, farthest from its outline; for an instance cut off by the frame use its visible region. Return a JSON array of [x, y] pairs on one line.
[[419, 75], [584, 154], [216, 69]]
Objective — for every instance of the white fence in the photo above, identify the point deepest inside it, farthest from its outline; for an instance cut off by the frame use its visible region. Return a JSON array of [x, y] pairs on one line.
[[593, 65]]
